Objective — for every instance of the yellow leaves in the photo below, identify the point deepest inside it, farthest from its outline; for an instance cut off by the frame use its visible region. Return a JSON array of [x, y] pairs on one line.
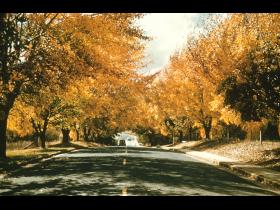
[[87, 61], [103, 42], [216, 104], [193, 74], [230, 116], [19, 117]]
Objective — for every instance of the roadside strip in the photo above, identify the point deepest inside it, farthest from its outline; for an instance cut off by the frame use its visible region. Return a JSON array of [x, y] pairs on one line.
[[33, 162], [254, 172]]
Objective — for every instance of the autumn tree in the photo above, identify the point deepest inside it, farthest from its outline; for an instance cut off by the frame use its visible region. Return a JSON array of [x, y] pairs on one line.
[[114, 104], [65, 118], [186, 94], [45, 49], [255, 92], [23, 47], [218, 53]]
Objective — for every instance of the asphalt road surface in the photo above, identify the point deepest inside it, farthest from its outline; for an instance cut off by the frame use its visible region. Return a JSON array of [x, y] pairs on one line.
[[139, 171]]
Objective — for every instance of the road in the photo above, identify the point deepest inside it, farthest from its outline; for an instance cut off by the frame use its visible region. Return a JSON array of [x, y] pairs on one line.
[[139, 171]]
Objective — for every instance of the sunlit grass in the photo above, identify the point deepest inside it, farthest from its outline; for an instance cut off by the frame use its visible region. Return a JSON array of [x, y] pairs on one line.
[[17, 152], [36, 152], [17, 155]]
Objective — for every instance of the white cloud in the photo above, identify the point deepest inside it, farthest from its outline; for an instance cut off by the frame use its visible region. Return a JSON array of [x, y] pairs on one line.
[[169, 32]]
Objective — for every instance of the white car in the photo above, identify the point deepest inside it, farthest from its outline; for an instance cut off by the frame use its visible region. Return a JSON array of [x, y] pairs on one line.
[[126, 139]]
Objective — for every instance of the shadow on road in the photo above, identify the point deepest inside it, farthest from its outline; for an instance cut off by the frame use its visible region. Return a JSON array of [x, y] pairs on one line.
[[140, 176]]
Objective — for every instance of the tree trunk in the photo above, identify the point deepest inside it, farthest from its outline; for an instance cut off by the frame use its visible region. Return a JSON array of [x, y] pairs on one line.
[[4, 113], [43, 140], [207, 125], [207, 132], [66, 137], [86, 134], [173, 139], [181, 136], [278, 128], [43, 133], [190, 133], [228, 133], [3, 137], [36, 134], [92, 137], [36, 139], [77, 134]]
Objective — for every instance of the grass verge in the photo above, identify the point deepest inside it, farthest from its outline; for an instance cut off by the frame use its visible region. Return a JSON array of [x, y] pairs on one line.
[[266, 154], [18, 157]]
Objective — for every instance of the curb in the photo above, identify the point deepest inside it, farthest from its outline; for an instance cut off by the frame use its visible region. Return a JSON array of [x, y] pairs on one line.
[[173, 150], [241, 171], [238, 170], [257, 177], [177, 150], [32, 161]]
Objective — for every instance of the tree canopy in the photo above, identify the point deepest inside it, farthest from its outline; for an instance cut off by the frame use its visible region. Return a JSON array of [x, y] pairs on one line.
[[79, 72]]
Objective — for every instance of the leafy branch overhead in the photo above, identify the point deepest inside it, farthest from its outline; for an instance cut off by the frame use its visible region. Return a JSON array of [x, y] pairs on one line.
[[78, 75]]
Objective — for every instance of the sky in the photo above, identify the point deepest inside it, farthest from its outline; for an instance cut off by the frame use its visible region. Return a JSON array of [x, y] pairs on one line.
[[169, 32]]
